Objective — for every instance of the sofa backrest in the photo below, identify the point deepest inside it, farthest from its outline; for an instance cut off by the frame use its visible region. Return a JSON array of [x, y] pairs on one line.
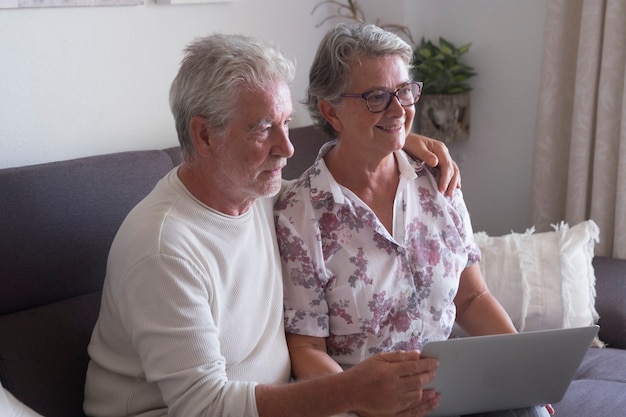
[[57, 221], [610, 295], [306, 141]]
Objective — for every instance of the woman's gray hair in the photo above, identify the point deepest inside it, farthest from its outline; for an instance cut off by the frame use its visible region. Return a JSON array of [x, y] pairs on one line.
[[213, 71], [341, 47]]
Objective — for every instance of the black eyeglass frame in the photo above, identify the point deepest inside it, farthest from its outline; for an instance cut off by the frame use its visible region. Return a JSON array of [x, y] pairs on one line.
[[392, 94]]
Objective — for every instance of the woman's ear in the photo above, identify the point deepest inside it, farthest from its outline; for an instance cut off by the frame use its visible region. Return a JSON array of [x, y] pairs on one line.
[[200, 134], [330, 113]]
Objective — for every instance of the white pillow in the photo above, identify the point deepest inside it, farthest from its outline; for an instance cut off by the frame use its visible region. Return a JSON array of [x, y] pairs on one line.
[[543, 280], [12, 407]]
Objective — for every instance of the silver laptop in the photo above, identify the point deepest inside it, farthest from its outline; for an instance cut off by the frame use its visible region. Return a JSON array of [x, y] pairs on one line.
[[502, 372]]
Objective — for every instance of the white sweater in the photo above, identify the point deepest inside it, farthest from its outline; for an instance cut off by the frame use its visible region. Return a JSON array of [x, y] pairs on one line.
[[192, 313]]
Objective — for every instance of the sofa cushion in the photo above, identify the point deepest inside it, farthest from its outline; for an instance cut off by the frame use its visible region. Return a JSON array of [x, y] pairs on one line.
[[43, 354], [598, 387], [610, 300], [175, 155], [607, 364], [543, 280], [59, 219], [11, 406], [306, 141], [588, 397]]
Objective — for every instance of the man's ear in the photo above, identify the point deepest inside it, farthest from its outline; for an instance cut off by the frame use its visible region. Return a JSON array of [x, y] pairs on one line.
[[200, 134], [330, 114]]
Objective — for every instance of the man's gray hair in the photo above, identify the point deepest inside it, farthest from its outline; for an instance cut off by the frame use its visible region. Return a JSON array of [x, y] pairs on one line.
[[341, 47], [213, 71]]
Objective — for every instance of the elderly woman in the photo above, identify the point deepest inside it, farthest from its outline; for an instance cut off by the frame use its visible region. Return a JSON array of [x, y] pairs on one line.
[[374, 257]]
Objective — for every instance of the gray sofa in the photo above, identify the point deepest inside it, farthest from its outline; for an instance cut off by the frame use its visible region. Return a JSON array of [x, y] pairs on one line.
[[57, 221]]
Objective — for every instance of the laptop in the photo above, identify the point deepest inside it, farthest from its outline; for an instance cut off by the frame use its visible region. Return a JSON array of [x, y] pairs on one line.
[[508, 371]]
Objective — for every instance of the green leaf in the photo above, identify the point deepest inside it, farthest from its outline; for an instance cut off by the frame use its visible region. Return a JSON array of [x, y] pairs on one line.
[[445, 44], [425, 52], [439, 67], [446, 50], [465, 48]]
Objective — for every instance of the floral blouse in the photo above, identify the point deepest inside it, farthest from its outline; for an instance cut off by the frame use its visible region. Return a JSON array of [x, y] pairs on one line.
[[364, 289]]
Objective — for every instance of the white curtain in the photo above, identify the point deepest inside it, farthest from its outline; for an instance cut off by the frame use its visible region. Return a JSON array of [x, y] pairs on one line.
[[579, 167]]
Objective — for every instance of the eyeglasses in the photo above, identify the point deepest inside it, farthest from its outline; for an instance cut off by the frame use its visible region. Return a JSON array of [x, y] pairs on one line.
[[378, 100]]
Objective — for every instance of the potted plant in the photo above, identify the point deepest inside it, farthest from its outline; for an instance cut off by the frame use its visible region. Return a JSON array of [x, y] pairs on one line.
[[443, 109]]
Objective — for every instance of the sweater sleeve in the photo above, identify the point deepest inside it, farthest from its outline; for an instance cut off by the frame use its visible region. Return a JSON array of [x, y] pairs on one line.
[[165, 307]]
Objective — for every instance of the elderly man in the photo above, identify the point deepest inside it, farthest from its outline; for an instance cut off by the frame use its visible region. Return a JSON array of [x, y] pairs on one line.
[[191, 321]]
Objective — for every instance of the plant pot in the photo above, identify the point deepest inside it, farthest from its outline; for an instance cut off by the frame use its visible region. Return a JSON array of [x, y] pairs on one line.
[[443, 116]]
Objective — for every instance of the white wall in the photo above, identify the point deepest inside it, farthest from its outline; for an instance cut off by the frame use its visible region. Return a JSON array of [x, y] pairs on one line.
[[78, 81], [90, 80], [496, 160]]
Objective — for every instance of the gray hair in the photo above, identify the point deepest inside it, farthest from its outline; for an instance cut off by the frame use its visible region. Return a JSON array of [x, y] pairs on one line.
[[341, 47], [213, 71]]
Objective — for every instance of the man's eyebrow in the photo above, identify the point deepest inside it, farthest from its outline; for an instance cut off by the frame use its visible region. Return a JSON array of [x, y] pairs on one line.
[[254, 125], [266, 121]]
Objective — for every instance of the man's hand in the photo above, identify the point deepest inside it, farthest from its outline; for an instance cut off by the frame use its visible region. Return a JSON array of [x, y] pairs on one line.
[[391, 384], [435, 153]]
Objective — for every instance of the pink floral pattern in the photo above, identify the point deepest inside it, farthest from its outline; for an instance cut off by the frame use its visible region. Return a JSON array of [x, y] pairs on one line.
[[353, 282]]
